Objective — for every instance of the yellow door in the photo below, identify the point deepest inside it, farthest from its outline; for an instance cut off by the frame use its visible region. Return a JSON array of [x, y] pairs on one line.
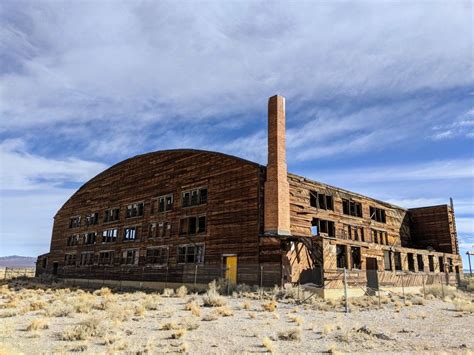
[[231, 269]]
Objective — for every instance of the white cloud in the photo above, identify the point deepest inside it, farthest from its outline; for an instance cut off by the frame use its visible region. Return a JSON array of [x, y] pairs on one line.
[[24, 171]]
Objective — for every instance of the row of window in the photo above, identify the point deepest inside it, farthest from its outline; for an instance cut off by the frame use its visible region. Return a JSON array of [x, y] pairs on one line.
[[188, 226], [349, 207], [397, 260], [351, 232], [163, 203], [186, 254]]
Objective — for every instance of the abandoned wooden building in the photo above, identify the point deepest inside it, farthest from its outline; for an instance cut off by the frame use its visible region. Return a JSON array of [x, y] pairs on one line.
[[190, 216]]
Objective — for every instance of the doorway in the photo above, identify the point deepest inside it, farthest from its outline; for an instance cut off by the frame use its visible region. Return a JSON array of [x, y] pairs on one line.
[[372, 276], [230, 262], [55, 268]]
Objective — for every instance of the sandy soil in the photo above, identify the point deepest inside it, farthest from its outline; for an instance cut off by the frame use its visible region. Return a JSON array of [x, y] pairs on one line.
[[129, 322]]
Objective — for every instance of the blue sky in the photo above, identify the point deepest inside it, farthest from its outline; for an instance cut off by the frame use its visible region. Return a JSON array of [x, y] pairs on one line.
[[380, 96]]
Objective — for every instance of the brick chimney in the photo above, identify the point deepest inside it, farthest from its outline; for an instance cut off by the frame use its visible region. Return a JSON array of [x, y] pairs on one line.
[[277, 192]]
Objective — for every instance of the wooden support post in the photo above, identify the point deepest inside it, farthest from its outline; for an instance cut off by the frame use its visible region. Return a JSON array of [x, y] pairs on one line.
[[345, 291], [423, 283], [403, 290], [261, 281], [195, 275]]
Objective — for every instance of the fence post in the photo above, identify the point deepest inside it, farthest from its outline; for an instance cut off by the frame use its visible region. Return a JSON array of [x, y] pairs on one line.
[[227, 271], [380, 303], [261, 280], [442, 287], [423, 283], [403, 289], [195, 275], [166, 277], [345, 291], [6, 270]]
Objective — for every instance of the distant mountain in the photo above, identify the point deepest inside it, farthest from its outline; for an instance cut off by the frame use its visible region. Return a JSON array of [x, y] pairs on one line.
[[17, 261]]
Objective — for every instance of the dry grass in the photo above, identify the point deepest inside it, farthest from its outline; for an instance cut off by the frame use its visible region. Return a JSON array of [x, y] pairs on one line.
[[169, 326], [212, 299], [38, 324], [463, 305], [293, 334], [182, 291], [270, 306], [269, 345], [139, 311], [210, 317], [194, 307], [224, 311], [178, 333], [84, 330], [296, 319], [246, 305], [168, 292]]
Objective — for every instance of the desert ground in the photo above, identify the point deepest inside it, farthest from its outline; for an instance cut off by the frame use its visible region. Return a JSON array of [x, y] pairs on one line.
[[51, 318]]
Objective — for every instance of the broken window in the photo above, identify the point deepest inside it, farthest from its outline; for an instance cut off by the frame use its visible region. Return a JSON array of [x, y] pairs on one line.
[[450, 264], [109, 235], [73, 240], [192, 225], [87, 258], [379, 237], [157, 255], [421, 264], [441, 263], [411, 262], [130, 257], [431, 263], [165, 203], [111, 215], [202, 224], [355, 258], [194, 197], [70, 259], [321, 201], [351, 208], [89, 238], [106, 258], [324, 227], [354, 232], [152, 231], [341, 256], [387, 260], [92, 218], [130, 233], [191, 253], [397, 256], [75, 222], [134, 210], [377, 214]]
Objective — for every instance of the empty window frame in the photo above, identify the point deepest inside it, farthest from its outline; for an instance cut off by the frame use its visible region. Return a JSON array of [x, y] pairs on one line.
[[73, 240], [165, 203], [354, 233], [109, 235], [341, 256], [87, 258], [411, 262], [450, 264], [351, 208], [377, 214], [321, 201], [397, 256], [387, 260], [379, 237], [157, 255], [112, 214], [441, 263], [106, 257], [130, 257], [159, 230], [70, 259], [75, 222], [191, 254], [323, 227], [194, 197], [431, 263], [420, 262], [355, 258], [134, 210], [130, 233], [89, 238], [92, 218], [192, 225]]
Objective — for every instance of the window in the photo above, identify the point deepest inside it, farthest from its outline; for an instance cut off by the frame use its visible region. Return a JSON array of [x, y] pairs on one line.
[[163, 203], [194, 197], [192, 225], [70, 259], [92, 218], [130, 233], [134, 210], [159, 229], [377, 214], [111, 215], [158, 255], [431, 263], [75, 222], [109, 235], [379, 237], [191, 254], [106, 258], [130, 257], [450, 264], [341, 256], [87, 259], [323, 227], [321, 201], [89, 238], [441, 263], [354, 232], [44, 263], [421, 264], [355, 258], [411, 262], [73, 240], [398, 261], [387, 260], [351, 208]]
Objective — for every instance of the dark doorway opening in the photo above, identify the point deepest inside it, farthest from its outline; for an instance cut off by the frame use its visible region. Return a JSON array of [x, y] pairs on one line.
[[372, 276], [55, 268]]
